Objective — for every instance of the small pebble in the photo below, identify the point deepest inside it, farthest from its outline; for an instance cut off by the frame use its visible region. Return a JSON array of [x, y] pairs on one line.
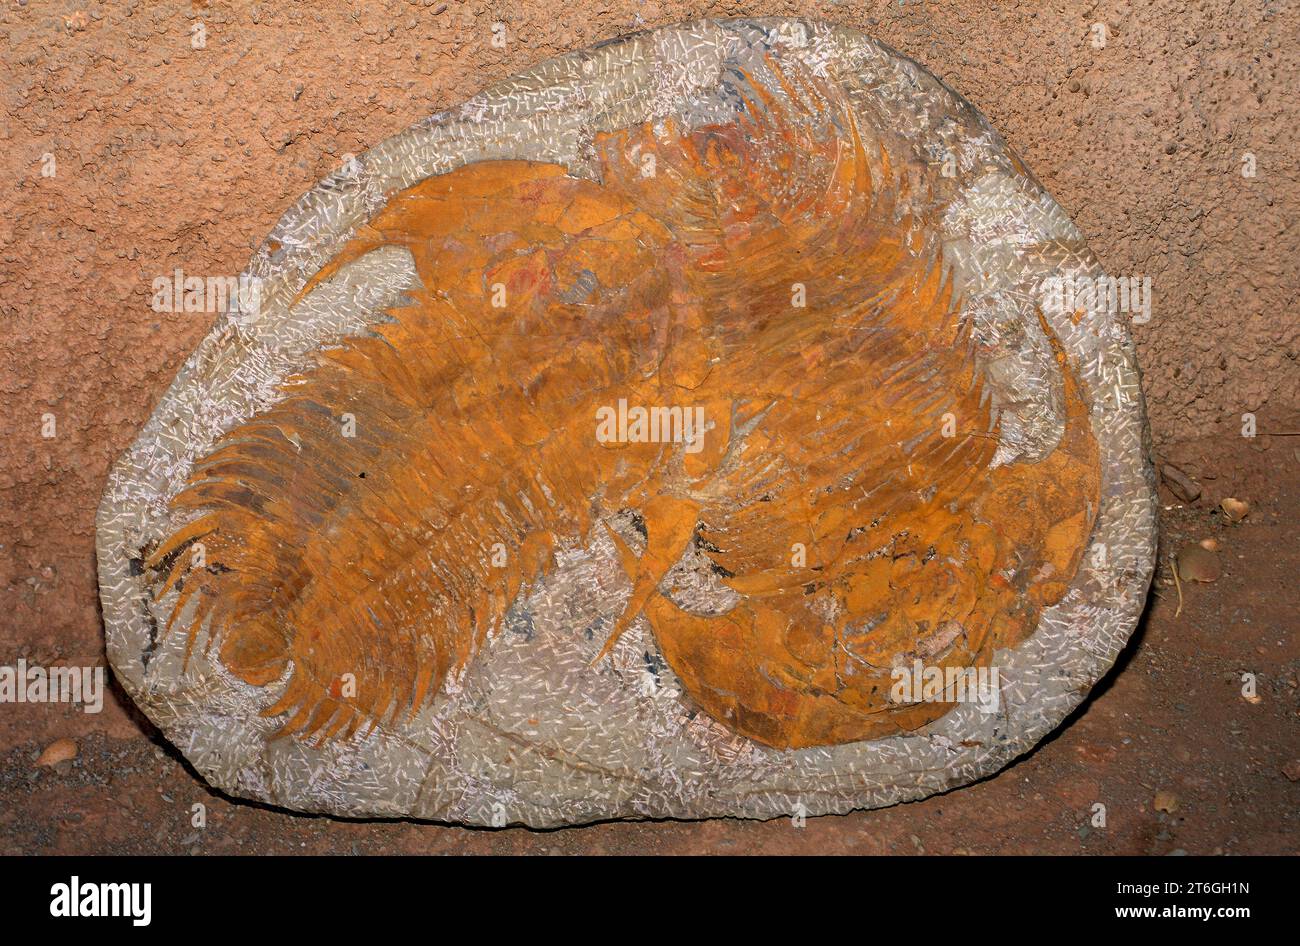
[[60, 750], [1198, 564], [1235, 509], [1179, 483], [1166, 801]]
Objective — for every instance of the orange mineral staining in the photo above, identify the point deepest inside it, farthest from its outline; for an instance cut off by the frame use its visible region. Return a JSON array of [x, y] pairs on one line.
[[767, 277]]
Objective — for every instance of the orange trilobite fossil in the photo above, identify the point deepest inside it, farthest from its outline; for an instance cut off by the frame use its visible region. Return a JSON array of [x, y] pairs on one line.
[[768, 279], [618, 443]]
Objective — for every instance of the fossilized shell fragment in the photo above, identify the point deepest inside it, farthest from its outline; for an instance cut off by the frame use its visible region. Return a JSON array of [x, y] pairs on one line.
[[686, 427]]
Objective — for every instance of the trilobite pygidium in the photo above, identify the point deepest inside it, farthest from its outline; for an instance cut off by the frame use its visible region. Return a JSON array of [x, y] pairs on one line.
[[767, 268]]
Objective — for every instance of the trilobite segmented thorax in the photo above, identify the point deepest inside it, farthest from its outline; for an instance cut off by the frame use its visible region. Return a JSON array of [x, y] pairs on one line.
[[740, 334]]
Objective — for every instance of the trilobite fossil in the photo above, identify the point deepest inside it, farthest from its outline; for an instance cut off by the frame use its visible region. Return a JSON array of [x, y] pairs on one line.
[[676, 429]]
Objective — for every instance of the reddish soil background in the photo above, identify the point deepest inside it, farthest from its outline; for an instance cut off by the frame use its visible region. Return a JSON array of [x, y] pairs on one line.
[[168, 156]]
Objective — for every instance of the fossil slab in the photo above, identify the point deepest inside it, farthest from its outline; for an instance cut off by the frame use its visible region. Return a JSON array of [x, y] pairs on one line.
[[691, 426]]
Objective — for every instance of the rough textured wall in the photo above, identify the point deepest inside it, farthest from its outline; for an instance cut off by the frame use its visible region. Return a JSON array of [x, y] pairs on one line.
[[169, 156]]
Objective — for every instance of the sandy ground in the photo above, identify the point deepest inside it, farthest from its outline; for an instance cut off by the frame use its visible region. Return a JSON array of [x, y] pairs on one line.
[[168, 156]]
